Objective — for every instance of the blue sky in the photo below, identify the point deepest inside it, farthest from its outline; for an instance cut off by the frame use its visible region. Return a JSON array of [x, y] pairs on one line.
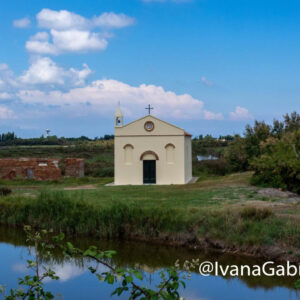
[[209, 66]]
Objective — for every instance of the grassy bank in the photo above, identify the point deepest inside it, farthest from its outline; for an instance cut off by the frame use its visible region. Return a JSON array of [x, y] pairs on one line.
[[224, 209]]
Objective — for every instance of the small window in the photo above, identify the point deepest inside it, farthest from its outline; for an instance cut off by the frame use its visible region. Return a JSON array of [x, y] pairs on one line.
[[149, 126], [30, 174], [170, 149]]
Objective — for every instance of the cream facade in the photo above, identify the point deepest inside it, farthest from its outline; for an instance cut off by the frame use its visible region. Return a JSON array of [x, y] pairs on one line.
[[151, 151]]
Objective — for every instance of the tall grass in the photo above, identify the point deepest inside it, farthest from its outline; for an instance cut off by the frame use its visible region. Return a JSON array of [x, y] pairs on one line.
[[57, 210]]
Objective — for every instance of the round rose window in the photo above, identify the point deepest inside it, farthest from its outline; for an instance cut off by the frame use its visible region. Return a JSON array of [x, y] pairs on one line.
[[149, 126]]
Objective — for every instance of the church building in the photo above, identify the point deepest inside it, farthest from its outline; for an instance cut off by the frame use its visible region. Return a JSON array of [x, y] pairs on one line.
[[151, 151]]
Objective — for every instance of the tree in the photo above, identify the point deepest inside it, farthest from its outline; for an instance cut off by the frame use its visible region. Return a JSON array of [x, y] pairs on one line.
[[279, 163], [292, 121], [236, 155]]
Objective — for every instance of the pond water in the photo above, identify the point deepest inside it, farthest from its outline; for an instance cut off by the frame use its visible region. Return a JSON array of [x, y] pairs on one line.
[[76, 282], [206, 157]]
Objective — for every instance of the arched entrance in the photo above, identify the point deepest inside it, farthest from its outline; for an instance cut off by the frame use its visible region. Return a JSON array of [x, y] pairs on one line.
[[149, 159]]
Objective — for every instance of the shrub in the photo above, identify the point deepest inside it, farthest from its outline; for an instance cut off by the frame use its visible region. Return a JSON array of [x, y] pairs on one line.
[[215, 167], [5, 191], [236, 155], [279, 165], [254, 213]]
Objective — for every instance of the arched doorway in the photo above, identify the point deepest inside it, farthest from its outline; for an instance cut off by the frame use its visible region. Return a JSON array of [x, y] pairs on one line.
[[149, 159]]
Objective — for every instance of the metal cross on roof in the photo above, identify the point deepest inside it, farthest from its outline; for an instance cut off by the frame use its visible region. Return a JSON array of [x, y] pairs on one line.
[[149, 108]]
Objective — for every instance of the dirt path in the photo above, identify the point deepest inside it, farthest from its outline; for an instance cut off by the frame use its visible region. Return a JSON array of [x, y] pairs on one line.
[[80, 187]]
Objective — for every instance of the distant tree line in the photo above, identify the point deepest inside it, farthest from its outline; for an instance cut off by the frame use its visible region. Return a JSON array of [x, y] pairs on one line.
[[9, 136], [11, 139], [209, 145]]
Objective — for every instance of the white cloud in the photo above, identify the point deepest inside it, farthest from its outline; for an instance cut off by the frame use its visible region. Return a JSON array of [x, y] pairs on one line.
[[22, 23], [60, 20], [7, 80], [103, 95], [3, 67], [5, 96], [6, 113], [66, 271], [40, 36], [66, 41], [39, 43], [77, 41], [41, 47], [240, 113], [212, 116], [71, 32], [112, 20], [46, 84], [64, 20], [207, 82], [45, 71], [79, 77]]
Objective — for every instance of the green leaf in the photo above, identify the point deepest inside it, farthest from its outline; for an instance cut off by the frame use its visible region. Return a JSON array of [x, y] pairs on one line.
[[138, 274], [110, 253], [91, 251], [59, 237], [101, 278], [129, 279], [110, 279], [183, 283], [70, 247], [93, 270]]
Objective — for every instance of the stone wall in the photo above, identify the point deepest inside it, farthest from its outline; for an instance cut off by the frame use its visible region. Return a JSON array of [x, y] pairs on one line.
[[74, 167], [40, 168], [30, 168]]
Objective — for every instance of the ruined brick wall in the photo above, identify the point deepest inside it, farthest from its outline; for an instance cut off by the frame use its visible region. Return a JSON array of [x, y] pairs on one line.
[[31, 168], [74, 167]]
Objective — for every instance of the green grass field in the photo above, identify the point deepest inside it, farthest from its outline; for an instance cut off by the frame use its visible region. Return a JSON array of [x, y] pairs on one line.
[[223, 208]]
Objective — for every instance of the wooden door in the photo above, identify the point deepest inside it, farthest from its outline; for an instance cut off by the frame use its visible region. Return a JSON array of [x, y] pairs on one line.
[[149, 171]]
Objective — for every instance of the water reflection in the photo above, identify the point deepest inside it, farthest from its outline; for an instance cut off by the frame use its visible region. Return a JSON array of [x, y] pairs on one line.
[[77, 283], [65, 271], [206, 157]]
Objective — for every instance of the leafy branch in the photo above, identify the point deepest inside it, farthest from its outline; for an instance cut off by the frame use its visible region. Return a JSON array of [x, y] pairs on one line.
[[31, 287], [171, 278]]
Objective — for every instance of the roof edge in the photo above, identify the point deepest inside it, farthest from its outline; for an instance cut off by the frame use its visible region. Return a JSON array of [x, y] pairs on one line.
[[156, 119]]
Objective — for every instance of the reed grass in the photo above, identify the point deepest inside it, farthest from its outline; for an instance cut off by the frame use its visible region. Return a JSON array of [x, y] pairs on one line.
[[72, 214]]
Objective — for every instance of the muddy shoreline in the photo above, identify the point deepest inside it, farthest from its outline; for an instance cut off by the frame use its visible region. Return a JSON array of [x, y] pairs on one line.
[[276, 253]]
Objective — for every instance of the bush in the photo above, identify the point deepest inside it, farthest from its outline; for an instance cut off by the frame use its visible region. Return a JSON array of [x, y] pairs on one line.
[[236, 155], [254, 213], [99, 170], [5, 191], [279, 165], [214, 167]]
